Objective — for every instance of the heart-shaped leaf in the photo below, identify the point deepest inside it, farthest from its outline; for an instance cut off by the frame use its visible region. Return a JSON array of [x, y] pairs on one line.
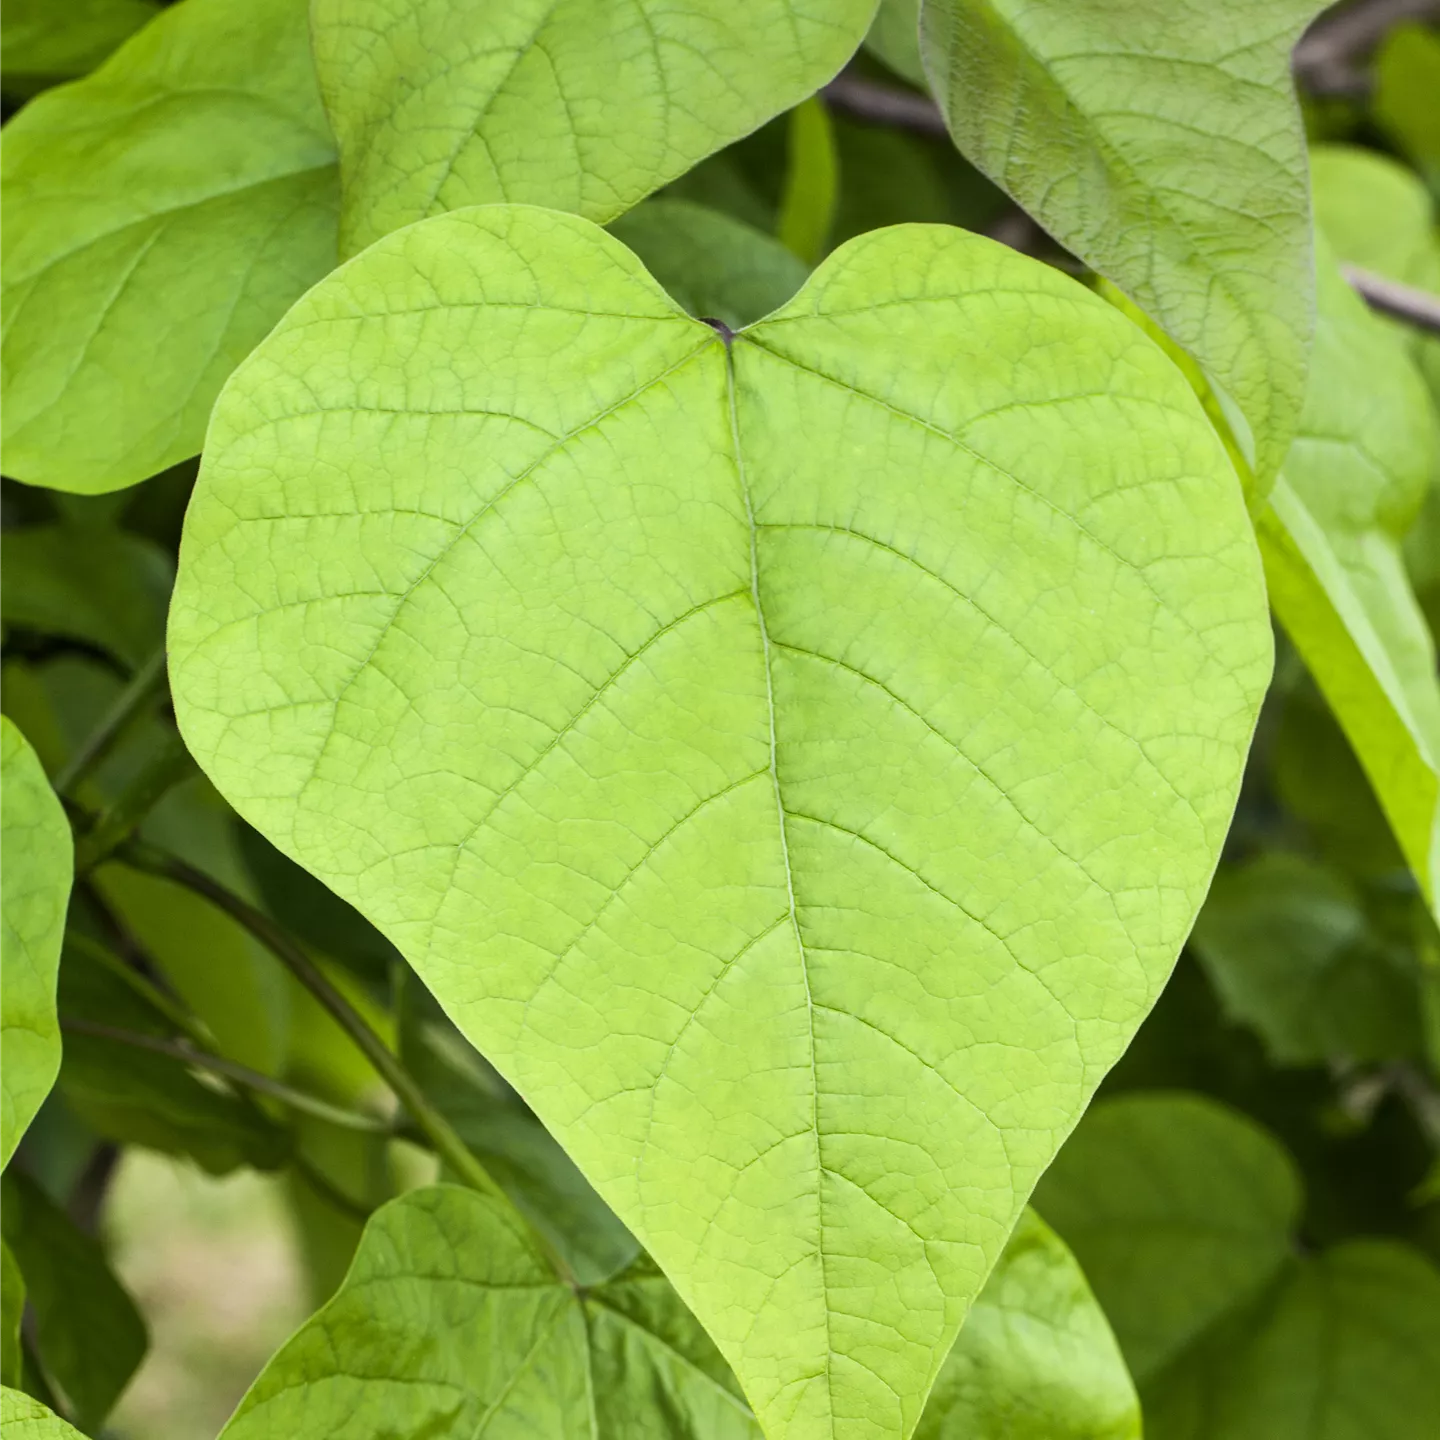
[[160, 215], [793, 758], [1165, 148], [35, 870], [438, 104]]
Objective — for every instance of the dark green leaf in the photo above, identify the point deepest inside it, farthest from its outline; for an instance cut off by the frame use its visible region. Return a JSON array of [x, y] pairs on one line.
[[715, 266], [89, 1335], [104, 587], [1292, 953]]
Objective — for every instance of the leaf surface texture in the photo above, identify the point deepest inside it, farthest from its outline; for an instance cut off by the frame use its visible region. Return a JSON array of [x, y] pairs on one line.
[[438, 105], [1161, 142], [160, 216]]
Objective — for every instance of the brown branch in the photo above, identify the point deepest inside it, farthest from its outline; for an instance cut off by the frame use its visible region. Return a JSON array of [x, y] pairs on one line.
[[1401, 302], [879, 104], [1330, 58]]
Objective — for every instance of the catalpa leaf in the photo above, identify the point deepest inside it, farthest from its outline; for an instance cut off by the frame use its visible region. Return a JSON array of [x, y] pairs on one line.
[[438, 104], [42, 42], [1331, 539], [160, 216], [27, 1419], [37, 860], [451, 1321], [1182, 1212], [1163, 145], [603, 659]]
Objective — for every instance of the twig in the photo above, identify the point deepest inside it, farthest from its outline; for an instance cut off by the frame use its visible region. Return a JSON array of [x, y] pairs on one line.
[[884, 105], [240, 1074], [145, 683], [1401, 302], [1329, 58]]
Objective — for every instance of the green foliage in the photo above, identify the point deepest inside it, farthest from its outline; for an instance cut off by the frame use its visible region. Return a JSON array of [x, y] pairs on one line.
[[36, 862], [88, 1334], [1182, 1214], [1161, 143], [680, 679], [105, 589], [43, 42], [1291, 951], [717, 267], [438, 105], [452, 1320], [159, 218], [716, 730], [1352, 486]]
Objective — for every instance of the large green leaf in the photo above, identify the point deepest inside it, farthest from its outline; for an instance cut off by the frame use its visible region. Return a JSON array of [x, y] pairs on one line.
[[1331, 536], [37, 860], [1036, 1359], [160, 216], [438, 104], [605, 665], [1177, 1208], [451, 1322], [1162, 143], [88, 1333], [717, 267], [1291, 951], [1182, 1213], [27, 1419], [45, 41], [519, 1153], [105, 587]]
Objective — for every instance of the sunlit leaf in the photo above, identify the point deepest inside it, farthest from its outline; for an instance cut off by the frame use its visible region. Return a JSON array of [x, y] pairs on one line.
[[37, 859], [27, 1419], [88, 1333], [1352, 484], [1163, 145], [452, 1320], [160, 216], [603, 664], [1291, 951], [1036, 1359], [438, 104]]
